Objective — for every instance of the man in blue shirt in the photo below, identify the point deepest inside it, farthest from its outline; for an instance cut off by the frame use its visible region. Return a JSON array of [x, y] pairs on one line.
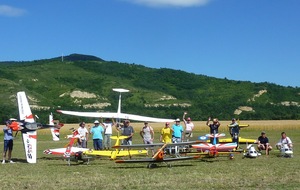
[[97, 131], [8, 142], [177, 131]]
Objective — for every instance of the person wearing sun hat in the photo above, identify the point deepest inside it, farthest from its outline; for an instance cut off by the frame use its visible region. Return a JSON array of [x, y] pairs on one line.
[[177, 131], [189, 126], [97, 132]]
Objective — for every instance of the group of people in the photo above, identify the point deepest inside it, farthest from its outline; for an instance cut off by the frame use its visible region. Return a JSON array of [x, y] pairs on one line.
[[263, 142], [234, 130], [175, 133], [168, 134], [97, 132]]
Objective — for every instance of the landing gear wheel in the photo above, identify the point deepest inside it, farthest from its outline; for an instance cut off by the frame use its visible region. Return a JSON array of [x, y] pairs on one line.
[[151, 165]]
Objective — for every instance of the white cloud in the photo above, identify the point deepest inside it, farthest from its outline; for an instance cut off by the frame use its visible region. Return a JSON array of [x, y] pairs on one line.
[[10, 11], [171, 3]]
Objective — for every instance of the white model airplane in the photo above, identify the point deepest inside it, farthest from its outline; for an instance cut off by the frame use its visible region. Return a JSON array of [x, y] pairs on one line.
[[118, 114], [251, 152], [28, 127], [285, 150]]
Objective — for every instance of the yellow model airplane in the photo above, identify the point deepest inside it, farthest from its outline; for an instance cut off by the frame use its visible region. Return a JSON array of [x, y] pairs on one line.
[[241, 140], [113, 154], [160, 155]]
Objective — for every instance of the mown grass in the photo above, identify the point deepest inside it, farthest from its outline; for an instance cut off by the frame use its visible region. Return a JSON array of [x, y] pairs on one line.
[[265, 172]]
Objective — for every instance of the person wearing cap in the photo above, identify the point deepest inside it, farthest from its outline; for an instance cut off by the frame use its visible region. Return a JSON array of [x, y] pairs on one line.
[[83, 134], [147, 134], [8, 142], [263, 143], [214, 128], [177, 131], [284, 140], [97, 131], [126, 130], [189, 126], [166, 134], [234, 130], [108, 125]]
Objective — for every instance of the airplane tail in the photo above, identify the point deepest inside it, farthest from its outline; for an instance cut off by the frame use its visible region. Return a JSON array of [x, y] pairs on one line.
[[54, 130], [24, 109], [117, 138]]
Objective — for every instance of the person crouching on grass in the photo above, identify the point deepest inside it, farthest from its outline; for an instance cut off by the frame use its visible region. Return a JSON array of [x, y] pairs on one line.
[[263, 143]]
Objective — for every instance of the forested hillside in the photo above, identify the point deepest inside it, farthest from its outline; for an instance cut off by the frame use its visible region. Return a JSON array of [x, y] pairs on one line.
[[84, 83]]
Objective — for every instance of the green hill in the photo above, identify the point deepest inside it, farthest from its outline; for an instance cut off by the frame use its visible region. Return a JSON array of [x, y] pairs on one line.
[[84, 83]]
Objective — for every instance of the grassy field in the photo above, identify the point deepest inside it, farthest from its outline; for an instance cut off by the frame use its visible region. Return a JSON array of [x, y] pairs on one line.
[[265, 172]]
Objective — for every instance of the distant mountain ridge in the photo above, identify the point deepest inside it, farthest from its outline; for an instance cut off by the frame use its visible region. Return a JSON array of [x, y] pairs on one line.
[[85, 82]]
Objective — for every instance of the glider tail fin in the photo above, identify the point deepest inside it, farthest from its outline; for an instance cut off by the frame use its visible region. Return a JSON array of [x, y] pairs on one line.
[[24, 109], [54, 131]]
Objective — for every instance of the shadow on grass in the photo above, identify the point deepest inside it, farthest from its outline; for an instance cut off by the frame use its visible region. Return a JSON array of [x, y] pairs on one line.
[[19, 160], [158, 165], [64, 162]]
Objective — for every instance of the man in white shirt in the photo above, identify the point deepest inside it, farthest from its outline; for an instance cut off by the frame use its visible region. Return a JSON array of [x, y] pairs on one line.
[[83, 135], [284, 140], [107, 133]]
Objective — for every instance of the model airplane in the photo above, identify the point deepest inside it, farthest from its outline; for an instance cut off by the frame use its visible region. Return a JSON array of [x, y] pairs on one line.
[[241, 140], [285, 150], [214, 149], [69, 152], [118, 114], [251, 152], [113, 154], [159, 156], [28, 127]]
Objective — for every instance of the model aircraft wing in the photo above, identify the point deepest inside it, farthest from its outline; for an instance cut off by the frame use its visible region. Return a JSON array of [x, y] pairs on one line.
[[90, 114], [241, 140], [138, 145], [118, 152], [202, 146], [240, 125], [144, 118], [61, 151], [156, 144], [216, 135], [114, 115], [149, 160], [29, 140]]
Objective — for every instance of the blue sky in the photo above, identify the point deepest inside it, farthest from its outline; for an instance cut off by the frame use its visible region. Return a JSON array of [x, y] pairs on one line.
[[247, 40]]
